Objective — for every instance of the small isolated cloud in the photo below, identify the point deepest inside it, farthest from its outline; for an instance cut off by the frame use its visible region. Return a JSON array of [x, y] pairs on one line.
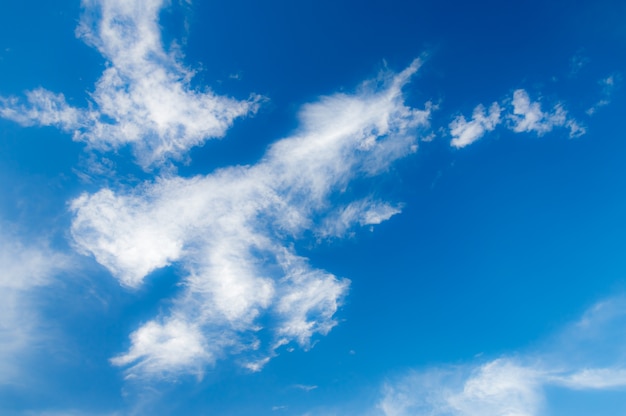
[[142, 99], [232, 232], [527, 116], [465, 132], [363, 212], [305, 387], [172, 346], [577, 62], [588, 355], [24, 269], [607, 86], [522, 114]]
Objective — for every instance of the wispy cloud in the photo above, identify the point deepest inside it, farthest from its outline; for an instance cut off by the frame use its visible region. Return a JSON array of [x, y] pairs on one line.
[[24, 269], [587, 355], [522, 115], [577, 62], [607, 86], [305, 387], [465, 132], [362, 212], [527, 116], [232, 231], [143, 98], [498, 388], [44, 108]]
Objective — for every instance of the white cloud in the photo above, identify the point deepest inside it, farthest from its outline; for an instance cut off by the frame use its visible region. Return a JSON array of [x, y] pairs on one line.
[[363, 212], [231, 231], [305, 387], [577, 359], [24, 269], [143, 98], [524, 117], [608, 86], [467, 132], [161, 348], [527, 116], [594, 378], [498, 388], [44, 108]]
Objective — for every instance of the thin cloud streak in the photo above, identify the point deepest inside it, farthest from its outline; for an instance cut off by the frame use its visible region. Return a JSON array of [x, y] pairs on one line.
[[25, 268]]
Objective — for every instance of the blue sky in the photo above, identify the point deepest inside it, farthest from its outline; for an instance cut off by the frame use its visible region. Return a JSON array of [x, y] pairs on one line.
[[312, 208]]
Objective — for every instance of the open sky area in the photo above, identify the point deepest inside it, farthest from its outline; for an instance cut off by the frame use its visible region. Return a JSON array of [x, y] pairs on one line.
[[329, 207]]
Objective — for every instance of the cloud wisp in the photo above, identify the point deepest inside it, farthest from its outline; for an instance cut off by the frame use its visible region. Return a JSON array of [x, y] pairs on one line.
[[527, 116], [232, 231], [589, 355], [25, 268], [465, 132], [143, 98], [608, 86], [521, 114]]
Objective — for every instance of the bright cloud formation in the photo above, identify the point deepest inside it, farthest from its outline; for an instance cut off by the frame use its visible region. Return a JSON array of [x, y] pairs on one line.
[[522, 115], [142, 99], [232, 230], [245, 290], [588, 355], [467, 132], [527, 116]]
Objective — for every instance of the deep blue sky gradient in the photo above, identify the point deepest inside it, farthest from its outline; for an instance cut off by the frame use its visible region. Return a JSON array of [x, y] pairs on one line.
[[498, 245]]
